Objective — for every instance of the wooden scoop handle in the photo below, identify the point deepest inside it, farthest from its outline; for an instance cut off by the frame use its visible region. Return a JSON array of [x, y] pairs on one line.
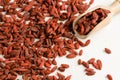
[[115, 7]]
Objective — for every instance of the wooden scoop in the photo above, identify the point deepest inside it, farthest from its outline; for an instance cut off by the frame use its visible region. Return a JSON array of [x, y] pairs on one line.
[[114, 9]]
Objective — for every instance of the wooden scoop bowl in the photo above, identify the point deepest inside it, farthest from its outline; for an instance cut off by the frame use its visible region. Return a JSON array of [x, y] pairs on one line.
[[114, 8]]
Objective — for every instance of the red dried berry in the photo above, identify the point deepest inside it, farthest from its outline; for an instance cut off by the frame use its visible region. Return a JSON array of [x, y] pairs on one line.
[[87, 42], [79, 61], [61, 69], [109, 77], [71, 55], [80, 52], [99, 63], [54, 68], [85, 64], [92, 60], [90, 71], [65, 65], [108, 51], [95, 65]]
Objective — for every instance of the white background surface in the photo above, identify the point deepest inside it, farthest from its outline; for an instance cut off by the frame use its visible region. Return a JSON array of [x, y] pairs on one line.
[[108, 37]]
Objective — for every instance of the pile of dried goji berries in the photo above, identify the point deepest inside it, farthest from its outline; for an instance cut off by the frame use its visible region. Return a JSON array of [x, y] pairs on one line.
[[30, 44]]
